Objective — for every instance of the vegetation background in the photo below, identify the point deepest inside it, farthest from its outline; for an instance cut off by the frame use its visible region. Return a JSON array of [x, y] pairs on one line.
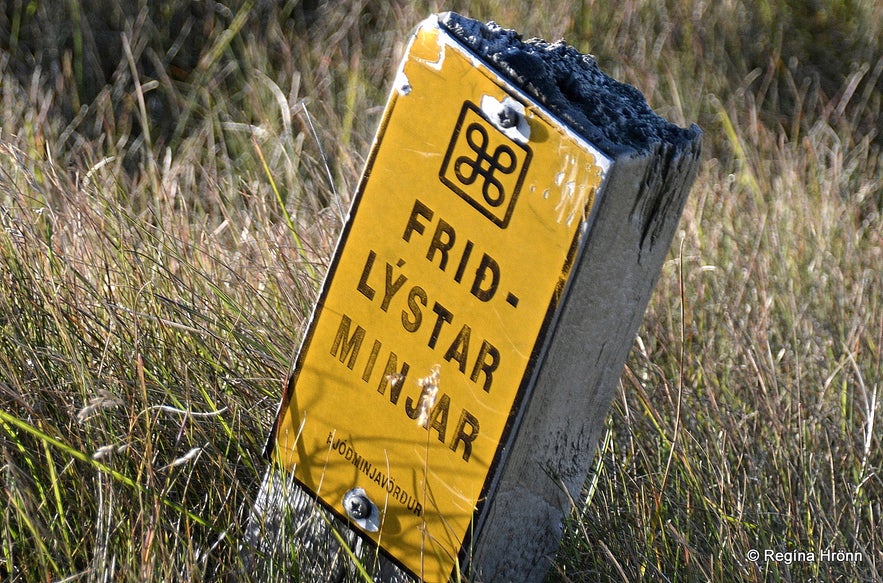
[[172, 176]]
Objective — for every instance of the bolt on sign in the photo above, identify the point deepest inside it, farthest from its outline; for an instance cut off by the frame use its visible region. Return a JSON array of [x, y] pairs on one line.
[[433, 315]]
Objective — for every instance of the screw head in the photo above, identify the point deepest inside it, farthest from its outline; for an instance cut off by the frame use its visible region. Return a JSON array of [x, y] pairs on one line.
[[358, 507], [507, 116], [361, 509]]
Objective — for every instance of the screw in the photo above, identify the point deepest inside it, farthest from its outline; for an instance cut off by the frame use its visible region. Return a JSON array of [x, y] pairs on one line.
[[507, 117], [361, 509], [358, 507]]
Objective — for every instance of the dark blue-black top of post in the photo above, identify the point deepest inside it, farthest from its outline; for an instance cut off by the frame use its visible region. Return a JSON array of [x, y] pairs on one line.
[[612, 115]]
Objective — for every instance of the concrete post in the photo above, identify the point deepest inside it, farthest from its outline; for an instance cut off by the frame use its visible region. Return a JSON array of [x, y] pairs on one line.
[[545, 452]]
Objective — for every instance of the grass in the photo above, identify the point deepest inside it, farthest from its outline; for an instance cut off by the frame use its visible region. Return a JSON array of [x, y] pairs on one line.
[[168, 208]]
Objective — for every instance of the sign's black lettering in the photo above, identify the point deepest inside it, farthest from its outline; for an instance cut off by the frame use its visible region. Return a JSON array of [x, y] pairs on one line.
[[444, 250], [487, 362], [393, 377], [372, 360], [345, 344], [442, 241], [413, 317], [363, 286], [459, 349], [414, 224], [392, 286], [438, 418], [488, 271], [461, 268], [467, 431], [444, 316], [346, 348]]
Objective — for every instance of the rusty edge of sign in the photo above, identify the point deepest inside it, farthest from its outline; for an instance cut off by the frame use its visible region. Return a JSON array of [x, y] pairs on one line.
[[401, 89]]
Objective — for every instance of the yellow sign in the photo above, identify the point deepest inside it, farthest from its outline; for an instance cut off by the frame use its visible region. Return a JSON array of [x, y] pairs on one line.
[[433, 316]]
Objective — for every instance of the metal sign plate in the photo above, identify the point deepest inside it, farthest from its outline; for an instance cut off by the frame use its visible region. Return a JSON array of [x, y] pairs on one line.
[[434, 313]]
